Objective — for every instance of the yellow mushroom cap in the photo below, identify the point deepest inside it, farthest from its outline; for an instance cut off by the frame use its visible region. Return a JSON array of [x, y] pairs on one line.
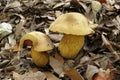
[[72, 23], [40, 41]]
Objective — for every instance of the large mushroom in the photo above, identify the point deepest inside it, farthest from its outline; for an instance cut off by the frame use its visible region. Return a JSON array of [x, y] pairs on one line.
[[74, 26], [40, 43]]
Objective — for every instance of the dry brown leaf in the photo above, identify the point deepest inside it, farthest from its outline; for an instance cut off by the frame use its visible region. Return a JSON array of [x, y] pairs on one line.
[[58, 5], [111, 2], [50, 76], [9, 68], [29, 76], [56, 65], [16, 47], [55, 37], [85, 59], [19, 26], [3, 63], [14, 4], [103, 75], [58, 13], [79, 4], [107, 44], [74, 75], [17, 76], [5, 29], [59, 58], [91, 71], [12, 40], [6, 47]]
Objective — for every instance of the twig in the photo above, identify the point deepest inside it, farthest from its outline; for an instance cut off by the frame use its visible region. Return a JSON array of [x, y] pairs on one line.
[[110, 48]]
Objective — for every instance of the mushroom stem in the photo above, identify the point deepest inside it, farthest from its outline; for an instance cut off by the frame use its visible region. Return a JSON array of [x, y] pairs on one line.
[[70, 45], [39, 58]]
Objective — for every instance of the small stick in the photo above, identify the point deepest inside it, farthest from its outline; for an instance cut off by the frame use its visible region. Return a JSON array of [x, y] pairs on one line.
[[109, 46]]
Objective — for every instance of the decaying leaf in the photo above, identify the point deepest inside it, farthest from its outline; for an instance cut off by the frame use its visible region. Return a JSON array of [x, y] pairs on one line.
[[19, 26], [55, 37], [80, 5], [56, 65], [29, 76], [74, 74], [3, 63], [5, 29], [96, 7], [102, 75], [9, 68], [109, 46], [85, 59], [12, 40], [59, 58], [16, 48], [50, 76], [58, 5], [91, 71], [15, 4], [94, 73]]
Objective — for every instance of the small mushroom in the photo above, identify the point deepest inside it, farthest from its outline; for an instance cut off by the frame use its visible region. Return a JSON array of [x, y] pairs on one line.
[[39, 58], [40, 43], [75, 26]]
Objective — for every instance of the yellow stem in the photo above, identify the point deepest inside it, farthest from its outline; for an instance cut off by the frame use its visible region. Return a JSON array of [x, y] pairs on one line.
[[70, 45], [39, 58]]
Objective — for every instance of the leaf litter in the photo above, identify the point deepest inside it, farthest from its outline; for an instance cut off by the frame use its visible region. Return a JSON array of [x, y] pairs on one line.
[[98, 59]]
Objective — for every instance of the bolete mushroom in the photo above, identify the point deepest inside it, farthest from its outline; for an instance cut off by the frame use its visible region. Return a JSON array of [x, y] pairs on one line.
[[40, 43], [75, 26], [39, 58]]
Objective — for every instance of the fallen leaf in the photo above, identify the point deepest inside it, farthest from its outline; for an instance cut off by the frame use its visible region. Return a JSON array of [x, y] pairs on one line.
[[91, 71], [4, 63], [79, 4], [16, 47], [102, 75], [29, 76], [55, 37], [56, 65], [12, 40], [59, 58], [9, 68], [7, 46], [58, 5], [102, 1], [5, 29], [14, 4], [74, 75], [85, 59], [58, 13], [19, 26], [50, 76], [107, 44]]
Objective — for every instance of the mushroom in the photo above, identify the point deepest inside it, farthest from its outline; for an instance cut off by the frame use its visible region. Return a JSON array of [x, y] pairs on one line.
[[75, 26], [40, 43], [39, 58], [96, 7]]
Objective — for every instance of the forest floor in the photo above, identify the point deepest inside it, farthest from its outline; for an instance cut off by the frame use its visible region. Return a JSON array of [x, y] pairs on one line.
[[99, 58]]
